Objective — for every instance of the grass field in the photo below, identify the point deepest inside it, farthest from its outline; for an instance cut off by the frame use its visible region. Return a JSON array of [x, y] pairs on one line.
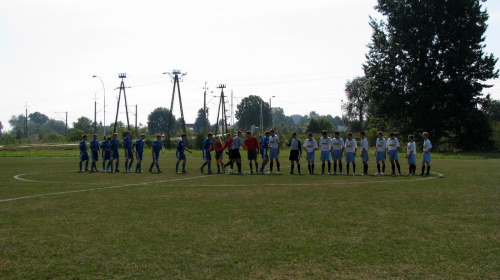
[[56, 223]]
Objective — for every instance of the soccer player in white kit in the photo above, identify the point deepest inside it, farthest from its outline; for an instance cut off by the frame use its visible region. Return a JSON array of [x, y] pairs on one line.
[[350, 153], [426, 154], [325, 144], [364, 152], [311, 146], [274, 151], [411, 155], [393, 148], [337, 151], [380, 153]]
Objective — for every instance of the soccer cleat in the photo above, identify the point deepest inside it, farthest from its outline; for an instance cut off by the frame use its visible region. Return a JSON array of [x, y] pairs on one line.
[[160, 171], [269, 172], [334, 173], [117, 170], [262, 173], [177, 172], [151, 170], [399, 174], [223, 169], [392, 174], [80, 171], [291, 173], [240, 173], [278, 173], [363, 174], [251, 172], [201, 169], [382, 173], [210, 173], [376, 174], [298, 172], [421, 174], [104, 170], [426, 174], [408, 173], [184, 171], [341, 173]]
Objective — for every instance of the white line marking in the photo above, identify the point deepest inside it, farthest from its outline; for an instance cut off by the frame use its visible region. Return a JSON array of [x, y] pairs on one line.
[[202, 185], [93, 189]]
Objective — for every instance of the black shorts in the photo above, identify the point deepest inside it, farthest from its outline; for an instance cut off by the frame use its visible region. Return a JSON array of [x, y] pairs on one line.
[[218, 155], [234, 154], [252, 154], [294, 155]]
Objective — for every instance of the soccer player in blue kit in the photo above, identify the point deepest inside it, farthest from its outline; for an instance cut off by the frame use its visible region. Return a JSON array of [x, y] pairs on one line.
[[106, 155], [181, 147], [157, 147], [129, 151], [84, 156], [139, 149], [207, 146], [115, 156], [264, 144], [94, 147]]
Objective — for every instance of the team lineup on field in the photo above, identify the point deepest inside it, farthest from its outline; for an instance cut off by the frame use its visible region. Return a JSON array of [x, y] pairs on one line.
[[331, 149]]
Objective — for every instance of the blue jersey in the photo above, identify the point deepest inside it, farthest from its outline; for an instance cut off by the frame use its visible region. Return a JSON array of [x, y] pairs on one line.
[[105, 145], [94, 145], [264, 142], [157, 145], [114, 144], [181, 146], [127, 143], [207, 144], [139, 145], [83, 146]]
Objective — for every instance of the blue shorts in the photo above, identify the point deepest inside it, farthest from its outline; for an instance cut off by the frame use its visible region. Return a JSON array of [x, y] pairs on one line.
[[263, 152], [156, 156], [393, 155], [380, 156], [325, 156], [349, 157], [106, 155], [427, 157], [129, 154], [138, 155], [364, 156], [181, 155], [412, 159], [337, 155], [84, 156], [207, 155], [273, 153], [310, 156], [115, 155], [95, 155]]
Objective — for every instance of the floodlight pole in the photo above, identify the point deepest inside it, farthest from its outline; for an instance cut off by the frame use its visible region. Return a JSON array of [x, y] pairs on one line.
[[122, 87], [271, 112], [174, 75], [221, 111]]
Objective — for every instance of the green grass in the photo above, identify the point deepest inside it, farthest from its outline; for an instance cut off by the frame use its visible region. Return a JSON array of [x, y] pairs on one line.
[[194, 226]]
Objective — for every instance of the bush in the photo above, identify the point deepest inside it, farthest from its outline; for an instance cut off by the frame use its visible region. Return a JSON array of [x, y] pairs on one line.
[[74, 135], [53, 137]]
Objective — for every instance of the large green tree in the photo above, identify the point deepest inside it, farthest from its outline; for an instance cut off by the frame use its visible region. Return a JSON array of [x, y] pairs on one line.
[[427, 68], [200, 121], [84, 124], [248, 112], [158, 120], [357, 105]]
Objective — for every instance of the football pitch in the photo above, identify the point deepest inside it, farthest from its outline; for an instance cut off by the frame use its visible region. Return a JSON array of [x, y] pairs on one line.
[[56, 223]]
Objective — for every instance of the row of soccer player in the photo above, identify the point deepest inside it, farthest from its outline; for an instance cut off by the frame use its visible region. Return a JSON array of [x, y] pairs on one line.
[[330, 148]]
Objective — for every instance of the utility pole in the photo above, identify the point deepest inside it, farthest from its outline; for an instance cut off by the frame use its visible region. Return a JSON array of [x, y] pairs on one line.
[[26, 122], [136, 121], [122, 88], [175, 77], [66, 122], [205, 108], [104, 89], [261, 124], [271, 112], [232, 118], [221, 111], [95, 113]]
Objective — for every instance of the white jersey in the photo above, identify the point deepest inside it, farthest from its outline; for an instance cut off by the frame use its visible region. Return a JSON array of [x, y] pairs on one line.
[[411, 148], [364, 144], [325, 143], [273, 141], [392, 144], [381, 145], [350, 146], [427, 145], [337, 144], [310, 145]]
